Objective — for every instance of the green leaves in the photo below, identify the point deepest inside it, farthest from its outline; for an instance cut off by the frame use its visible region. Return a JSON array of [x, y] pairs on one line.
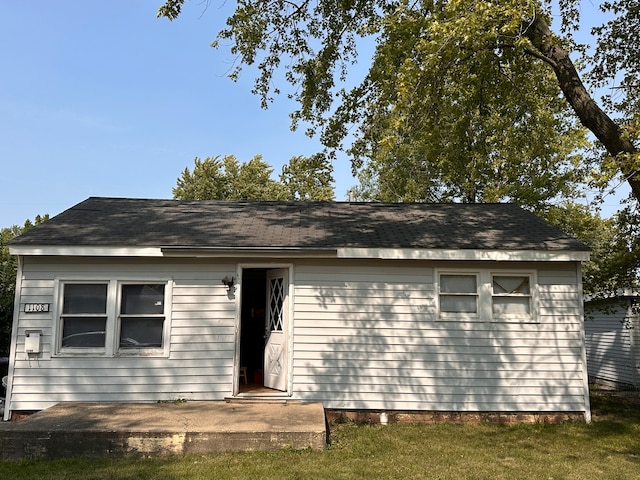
[[225, 178], [464, 100], [216, 178], [171, 9], [461, 113], [308, 178], [614, 242]]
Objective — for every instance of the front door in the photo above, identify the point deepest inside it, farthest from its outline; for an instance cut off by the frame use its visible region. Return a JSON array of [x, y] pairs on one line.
[[275, 350]]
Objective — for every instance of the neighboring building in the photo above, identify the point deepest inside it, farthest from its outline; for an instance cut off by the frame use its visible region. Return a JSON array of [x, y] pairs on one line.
[[361, 306], [612, 330]]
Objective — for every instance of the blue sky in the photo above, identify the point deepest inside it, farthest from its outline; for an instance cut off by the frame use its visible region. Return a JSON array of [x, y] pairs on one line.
[[105, 99]]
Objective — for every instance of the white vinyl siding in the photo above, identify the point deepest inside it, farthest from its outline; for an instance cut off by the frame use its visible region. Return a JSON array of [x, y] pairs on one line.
[[367, 337], [610, 344], [202, 340]]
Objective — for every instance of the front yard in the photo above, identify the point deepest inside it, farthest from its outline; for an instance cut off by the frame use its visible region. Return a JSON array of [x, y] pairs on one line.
[[609, 448]]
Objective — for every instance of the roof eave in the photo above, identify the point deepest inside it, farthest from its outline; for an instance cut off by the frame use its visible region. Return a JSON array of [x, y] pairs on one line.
[[84, 251], [466, 254], [302, 252], [171, 251], [249, 252]]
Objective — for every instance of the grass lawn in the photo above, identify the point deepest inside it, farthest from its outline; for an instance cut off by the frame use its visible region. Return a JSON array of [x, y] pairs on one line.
[[608, 448]]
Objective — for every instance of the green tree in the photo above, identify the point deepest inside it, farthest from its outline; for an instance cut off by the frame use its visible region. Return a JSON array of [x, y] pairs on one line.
[[207, 181], [491, 127], [615, 250], [308, 178], [252, 181], [216, 178], [8, 270], [477, 140], [434, 59], [225, 178]]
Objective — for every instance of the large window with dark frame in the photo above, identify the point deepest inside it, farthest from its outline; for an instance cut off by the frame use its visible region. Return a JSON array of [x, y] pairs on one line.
[[111, 317], [141, 315], [84, 315]]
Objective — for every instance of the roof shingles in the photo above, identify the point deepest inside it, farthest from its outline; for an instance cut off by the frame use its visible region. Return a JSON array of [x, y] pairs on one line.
[[178, 223]]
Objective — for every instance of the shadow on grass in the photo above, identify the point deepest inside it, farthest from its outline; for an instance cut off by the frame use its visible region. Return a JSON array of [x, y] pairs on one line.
[[615, 405], [616, 422]]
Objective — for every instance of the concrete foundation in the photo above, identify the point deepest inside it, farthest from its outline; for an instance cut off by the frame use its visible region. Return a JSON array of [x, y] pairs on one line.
[[104, 430]]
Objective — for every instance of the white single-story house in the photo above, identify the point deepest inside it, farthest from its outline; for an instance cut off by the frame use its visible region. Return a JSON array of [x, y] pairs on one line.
[[612, 328], [361, 306]]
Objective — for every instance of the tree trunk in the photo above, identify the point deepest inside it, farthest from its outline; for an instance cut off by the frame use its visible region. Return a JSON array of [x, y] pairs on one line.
[[588, 111]]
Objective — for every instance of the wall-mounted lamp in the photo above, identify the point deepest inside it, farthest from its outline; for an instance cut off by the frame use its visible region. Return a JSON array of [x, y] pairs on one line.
[[228, 282]]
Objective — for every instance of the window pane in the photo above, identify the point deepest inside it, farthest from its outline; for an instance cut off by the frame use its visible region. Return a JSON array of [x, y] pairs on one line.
[[458, 284], [83, 331], [141, 332], [85, 298], [458, 303], [511, 305], [502, 284], [142, 299]]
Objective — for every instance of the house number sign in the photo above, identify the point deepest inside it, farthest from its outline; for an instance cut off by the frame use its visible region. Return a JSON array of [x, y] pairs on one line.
[[36, 307]]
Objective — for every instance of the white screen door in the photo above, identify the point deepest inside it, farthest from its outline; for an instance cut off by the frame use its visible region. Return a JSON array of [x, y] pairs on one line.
[[275, 350]]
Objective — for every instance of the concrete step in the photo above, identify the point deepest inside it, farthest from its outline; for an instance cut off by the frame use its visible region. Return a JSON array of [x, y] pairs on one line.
[[114, 430]]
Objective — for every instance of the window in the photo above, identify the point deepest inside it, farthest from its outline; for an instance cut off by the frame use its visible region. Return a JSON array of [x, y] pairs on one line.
[[486, 296], [112, 317], [458, 293], [84, 315], [141, 316], [511, 295]]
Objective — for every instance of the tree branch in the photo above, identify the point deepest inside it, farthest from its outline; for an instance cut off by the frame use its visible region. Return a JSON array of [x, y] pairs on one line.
[[539, 56], [588, 111]]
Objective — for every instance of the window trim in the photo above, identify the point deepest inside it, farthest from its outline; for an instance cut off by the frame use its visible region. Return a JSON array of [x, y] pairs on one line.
[[58, 328], [112, 326], [466, 316], [529, 318], [485, 296], [143, 351]]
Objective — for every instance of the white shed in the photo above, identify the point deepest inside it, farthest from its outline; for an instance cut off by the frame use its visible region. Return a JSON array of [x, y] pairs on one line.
[[612, 328], [361, 306]]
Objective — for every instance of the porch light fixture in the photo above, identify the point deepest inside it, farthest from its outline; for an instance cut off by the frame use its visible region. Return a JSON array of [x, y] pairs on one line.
[[228, 282]]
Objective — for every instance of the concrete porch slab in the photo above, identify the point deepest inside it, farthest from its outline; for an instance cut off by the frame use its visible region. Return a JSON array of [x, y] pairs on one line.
[[111, 430]]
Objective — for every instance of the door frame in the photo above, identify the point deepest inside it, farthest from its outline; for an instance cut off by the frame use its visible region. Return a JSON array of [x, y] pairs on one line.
[[288, 327]]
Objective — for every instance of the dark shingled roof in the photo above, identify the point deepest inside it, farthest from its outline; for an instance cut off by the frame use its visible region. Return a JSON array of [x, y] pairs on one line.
[[125, 222]]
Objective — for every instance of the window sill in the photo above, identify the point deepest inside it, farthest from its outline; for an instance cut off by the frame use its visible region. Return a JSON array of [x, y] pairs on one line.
[[460, 319], [157, 353], [521, 320], [139, 352], [80, 353], [527, 320]]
